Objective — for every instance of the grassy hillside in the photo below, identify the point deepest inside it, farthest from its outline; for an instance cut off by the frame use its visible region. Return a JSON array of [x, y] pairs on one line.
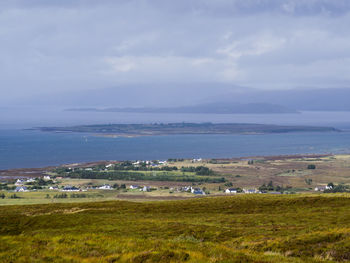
[[245, 228]]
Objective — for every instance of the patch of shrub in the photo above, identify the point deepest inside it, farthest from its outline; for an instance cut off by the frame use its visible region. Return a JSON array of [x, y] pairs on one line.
[[64, 195]]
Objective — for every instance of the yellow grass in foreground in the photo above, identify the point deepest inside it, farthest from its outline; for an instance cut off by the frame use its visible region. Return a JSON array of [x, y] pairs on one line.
[[246, 228]]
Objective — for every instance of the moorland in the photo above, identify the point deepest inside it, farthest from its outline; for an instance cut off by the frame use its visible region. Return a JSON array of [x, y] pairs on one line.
[[240, 228], [101, 212]]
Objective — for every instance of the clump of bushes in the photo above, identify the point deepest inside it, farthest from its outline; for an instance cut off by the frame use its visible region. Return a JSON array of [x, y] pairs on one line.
[[78, 195], [14, 196], [74, 195], [311, 167], [308, 181], [199, 170], [271, 187], [340, 188], [64, 195]]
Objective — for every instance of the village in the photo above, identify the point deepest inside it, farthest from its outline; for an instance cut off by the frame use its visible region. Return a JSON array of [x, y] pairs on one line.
[[26, 185], [173, 178]]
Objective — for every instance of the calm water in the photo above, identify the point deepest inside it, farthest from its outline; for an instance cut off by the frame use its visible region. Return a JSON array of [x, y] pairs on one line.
[[36, 149]]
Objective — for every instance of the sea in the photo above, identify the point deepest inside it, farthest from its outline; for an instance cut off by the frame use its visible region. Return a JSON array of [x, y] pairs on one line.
[[23, 148]]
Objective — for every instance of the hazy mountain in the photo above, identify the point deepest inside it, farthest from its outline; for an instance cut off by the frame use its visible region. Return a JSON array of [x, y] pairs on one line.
[[216, 108], [306, 99], [200, 97]]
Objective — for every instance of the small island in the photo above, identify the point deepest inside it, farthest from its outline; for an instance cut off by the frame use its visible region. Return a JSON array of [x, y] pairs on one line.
[[130, 130]]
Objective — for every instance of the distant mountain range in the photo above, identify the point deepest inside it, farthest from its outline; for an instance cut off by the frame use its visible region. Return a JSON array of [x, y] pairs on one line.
[[209, 108], [336, 99], [200, 98]]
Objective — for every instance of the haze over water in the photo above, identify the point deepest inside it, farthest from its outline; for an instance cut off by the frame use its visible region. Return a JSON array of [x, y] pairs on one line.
[[36, 117]]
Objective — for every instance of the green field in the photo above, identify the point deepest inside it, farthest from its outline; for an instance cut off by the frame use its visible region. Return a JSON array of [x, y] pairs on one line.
[[47, 196], [242, 228], [40, 197]]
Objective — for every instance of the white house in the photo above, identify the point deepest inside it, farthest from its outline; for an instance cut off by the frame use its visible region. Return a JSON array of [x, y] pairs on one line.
[[322, 188], [47, 177], [146, 189], [69, 188], [197, 191], [20, 182], [250, 191], [106, 187], [21, 189], [185, 188], [30, 180], [134, 187], [231, 191]]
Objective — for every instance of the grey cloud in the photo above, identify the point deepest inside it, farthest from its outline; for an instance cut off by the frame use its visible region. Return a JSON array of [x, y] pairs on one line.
[[52, 47], [209, 7]]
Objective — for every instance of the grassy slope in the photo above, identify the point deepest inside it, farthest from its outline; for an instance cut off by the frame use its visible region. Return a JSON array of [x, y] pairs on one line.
[[246, 228]]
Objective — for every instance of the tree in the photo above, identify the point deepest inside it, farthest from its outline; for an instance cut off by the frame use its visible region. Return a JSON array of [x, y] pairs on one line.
[[263, 188], [14, 196], [331, 185], [311, 166], [270, 186], [308, 181]]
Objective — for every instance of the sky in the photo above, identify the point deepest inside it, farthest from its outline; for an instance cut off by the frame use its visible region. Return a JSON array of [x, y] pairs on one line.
[[160, 49]]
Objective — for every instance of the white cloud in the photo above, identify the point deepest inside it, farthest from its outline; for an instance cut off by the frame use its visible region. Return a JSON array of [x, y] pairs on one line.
[[252, 46], [122, 64], [167, 69]]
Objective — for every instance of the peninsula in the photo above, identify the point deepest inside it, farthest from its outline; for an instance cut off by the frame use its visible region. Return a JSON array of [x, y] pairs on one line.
[[185, 128]]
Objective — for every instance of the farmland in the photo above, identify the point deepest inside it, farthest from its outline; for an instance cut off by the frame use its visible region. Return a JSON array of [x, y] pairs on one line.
[[172, 179]]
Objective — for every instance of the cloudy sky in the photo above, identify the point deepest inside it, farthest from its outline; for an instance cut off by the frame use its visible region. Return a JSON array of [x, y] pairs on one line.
[[57, 47]]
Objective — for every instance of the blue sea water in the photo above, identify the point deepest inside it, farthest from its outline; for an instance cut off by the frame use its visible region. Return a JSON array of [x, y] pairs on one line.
[[30, 148]]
